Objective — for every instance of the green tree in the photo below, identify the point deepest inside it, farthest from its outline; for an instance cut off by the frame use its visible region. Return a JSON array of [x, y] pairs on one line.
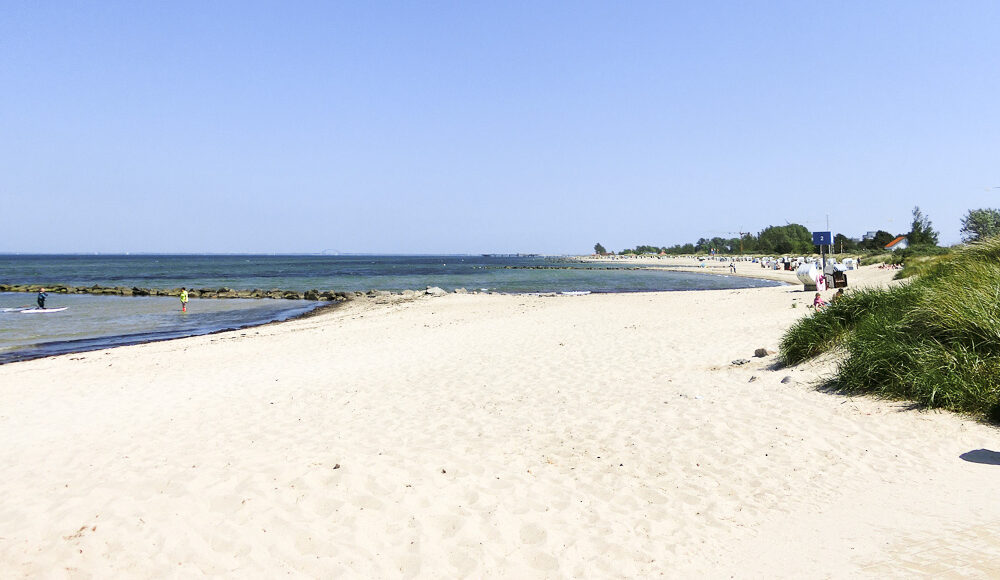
[[842, 243], [980, 223], [599, 249], [788, 239], [921, 232], [642, 250], [881, 238]]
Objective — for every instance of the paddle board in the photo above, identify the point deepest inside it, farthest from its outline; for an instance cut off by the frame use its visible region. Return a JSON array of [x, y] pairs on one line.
[[43, 310]]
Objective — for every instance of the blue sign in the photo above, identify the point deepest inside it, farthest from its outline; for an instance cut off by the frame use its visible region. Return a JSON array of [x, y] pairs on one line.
[[822, 238]]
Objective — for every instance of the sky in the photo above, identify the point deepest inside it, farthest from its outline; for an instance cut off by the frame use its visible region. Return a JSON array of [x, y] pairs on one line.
[[477, 127]]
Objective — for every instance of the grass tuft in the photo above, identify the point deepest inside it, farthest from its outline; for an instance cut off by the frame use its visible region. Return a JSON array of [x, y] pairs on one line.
[[935, 340], [828, 327]]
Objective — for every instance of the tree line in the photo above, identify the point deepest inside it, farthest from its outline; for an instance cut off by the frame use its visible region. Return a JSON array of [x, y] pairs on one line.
[[797, 239]]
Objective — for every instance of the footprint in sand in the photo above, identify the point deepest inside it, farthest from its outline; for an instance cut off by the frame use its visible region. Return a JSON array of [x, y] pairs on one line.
[[651, 496], [464, 563], [532, 534], [409, 565], [367, 501], [447, 525], [543, 561]]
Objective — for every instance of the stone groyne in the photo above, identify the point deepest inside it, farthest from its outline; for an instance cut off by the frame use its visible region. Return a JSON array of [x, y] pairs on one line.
[[328, 296], [317, 295]]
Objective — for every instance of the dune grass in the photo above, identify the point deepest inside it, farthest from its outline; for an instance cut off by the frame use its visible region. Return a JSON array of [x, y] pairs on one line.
[[917, 266], [878, 258], [935, 341], [829, 327]]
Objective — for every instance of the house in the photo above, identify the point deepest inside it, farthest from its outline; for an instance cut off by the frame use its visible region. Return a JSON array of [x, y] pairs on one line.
[[900, 243]]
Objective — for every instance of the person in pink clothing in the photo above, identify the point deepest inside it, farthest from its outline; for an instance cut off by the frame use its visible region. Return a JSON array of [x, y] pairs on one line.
[[818, 302]]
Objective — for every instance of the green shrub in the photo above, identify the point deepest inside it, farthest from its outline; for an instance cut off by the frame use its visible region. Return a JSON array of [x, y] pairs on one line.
[[922, 250], [935, 340]]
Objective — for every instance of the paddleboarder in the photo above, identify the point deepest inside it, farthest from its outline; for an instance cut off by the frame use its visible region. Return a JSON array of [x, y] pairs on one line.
[[184, 300], [41, 298]]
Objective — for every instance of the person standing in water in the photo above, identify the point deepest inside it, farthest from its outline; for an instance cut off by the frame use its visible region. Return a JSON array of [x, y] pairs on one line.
[[184, 299], [41, 298]]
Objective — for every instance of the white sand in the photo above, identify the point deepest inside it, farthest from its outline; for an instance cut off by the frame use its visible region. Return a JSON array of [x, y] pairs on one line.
[[510, 436]]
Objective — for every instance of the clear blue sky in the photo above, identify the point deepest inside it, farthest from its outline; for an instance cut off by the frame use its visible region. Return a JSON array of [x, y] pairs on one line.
[[427, 127]]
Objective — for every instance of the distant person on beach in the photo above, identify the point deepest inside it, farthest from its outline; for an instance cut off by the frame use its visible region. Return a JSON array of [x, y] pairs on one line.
[[818, 302], [732, 267], [41, 298], [184, 299], [837, 296]]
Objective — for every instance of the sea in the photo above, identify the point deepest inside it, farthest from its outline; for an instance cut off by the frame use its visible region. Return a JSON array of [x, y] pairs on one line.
[[96, 322]]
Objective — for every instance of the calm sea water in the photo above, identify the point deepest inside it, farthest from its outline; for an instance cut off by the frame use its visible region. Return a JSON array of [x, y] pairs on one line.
[[93, 322]]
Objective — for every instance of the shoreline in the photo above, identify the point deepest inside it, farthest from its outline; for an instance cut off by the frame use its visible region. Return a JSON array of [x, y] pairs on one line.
[[693, 265], [344, 295], [333, 298]]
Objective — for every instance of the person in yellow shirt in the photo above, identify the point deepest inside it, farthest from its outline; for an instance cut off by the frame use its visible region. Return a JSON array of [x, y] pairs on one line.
[[184, 299]]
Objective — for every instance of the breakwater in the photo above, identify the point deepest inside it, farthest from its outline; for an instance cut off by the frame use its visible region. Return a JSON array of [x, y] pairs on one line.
[[223, 293], [316, 295]]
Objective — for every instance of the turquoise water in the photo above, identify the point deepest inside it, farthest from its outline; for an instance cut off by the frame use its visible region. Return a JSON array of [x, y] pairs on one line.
[[93, 322]]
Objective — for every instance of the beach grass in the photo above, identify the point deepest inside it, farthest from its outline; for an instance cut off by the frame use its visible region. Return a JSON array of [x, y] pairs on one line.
[[935, 340], [829, 327], [878, 258], [917, 266]]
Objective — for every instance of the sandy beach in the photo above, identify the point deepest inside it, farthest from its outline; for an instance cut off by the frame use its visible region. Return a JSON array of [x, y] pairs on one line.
[[488, 436]]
